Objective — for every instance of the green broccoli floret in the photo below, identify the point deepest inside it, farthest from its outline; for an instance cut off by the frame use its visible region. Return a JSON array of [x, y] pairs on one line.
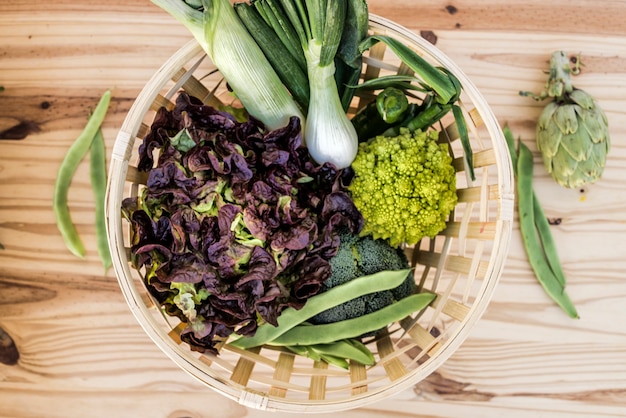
[[375, 255], [343, 265], [404, 186], [360, 256]]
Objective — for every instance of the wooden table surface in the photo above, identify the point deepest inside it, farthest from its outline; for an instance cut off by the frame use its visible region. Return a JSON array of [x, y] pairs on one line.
[[81, 352]]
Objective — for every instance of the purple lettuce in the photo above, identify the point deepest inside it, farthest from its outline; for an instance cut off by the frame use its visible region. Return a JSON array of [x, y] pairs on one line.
[[235, 223]]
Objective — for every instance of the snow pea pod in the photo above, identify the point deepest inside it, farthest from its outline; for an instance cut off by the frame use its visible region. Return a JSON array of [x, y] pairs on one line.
[[352, 328], [66, 171]]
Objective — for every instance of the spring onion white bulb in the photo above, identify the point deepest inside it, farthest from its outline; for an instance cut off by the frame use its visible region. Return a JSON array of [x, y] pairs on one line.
[[329, 134]]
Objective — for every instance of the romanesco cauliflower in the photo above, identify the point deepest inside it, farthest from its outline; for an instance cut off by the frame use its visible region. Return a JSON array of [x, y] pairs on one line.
[[404, 186]]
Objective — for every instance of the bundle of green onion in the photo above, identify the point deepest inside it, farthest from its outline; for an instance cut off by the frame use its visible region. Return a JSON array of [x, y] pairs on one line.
[[279, 58], [303, 58]]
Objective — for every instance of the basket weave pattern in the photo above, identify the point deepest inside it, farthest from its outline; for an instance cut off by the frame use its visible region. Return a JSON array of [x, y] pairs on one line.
[[461, 265]]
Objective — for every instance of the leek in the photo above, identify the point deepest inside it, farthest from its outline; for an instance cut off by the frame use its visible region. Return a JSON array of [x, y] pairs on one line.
[[227, 42], [318, 25]]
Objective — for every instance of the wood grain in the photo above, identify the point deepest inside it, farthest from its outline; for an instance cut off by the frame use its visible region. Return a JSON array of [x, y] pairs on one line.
[[81, 353]]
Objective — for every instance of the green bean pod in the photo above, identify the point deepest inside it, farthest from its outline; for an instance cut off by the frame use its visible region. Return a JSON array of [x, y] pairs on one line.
[[547, 241], [338, 353], [541, 223], [553, 286], [97, 172], [68, 167], [290, 317], [353, 328], [344, 349], [337, 361], [428, 116]]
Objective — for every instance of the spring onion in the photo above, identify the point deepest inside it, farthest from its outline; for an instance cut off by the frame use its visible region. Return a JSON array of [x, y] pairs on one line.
[[218, 29], [318, 25]]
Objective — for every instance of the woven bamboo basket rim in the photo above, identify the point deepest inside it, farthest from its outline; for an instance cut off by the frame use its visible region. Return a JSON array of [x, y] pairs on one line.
[[468, 255]]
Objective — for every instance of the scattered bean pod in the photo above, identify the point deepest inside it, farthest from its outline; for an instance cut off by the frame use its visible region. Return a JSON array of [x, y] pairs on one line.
[[68, 167], [535, 229], [97, 172]]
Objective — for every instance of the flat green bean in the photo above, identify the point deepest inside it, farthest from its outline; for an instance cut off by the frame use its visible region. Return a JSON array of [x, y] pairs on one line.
[[308, 351], [547, 241], [345, 349], [510, 143], [352, 328], [541, 226], [290, 317], [338, 353], [97, 173], [337, 361], [534, 248], [66, 171]]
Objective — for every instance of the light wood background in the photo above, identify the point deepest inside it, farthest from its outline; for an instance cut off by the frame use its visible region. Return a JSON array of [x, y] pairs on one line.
[[81, 353]]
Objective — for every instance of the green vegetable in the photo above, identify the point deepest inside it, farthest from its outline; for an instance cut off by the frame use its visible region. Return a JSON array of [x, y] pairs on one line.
[[187, 297], [443, 90], [349, 59], [290, 317], [273, 14], [404, 186], [369, 122], [68, 167], [440, 82], [337, 352], [282, 59], [360, 256], [352, 328], [572, 130], [391, 104], [224, 38], [319, 25], [538, 242], [97, 172]]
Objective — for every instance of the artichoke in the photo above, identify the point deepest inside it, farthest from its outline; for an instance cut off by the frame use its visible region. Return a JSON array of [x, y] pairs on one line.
[[572, 130]]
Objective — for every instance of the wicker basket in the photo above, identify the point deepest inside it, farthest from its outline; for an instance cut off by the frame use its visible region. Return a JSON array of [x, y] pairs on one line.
[[462, 264]]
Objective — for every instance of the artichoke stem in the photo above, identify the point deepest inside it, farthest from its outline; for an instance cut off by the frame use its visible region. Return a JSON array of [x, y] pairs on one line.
[[559, 84]]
